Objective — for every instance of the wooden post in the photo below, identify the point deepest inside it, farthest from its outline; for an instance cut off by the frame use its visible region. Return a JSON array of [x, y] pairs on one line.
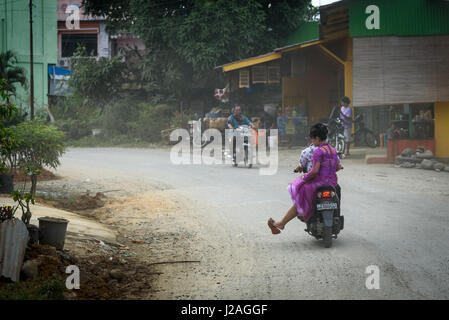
[[348, 76], [31, 63]]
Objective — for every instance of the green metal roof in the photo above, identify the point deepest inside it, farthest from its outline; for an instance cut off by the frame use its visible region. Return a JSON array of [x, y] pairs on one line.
[[400, 17], [306, 32]]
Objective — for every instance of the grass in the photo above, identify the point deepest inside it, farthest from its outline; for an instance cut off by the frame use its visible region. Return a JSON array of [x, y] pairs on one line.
[[38, 289]]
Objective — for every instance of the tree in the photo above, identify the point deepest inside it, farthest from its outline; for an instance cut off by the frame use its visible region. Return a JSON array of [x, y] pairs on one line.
[[97, 81], [10, 72], [186, 39]]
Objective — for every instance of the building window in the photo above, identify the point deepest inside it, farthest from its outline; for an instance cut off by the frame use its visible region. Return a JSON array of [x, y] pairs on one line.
[[259, 74], [274, 74], [70, 42], [244, 79]]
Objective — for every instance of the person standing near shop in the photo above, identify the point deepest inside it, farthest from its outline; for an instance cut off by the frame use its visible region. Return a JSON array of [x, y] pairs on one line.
[[346, 117]]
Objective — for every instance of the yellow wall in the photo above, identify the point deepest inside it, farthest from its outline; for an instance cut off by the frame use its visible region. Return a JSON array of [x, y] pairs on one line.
[[442, 129]]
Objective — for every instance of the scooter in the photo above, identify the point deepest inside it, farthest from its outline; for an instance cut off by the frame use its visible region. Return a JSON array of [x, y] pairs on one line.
[[247, 133], [326, 222]]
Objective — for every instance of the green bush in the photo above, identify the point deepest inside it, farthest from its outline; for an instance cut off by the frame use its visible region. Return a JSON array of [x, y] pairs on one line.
[[138, 121], [151, 120], [74, 129], [117, 115], [41, 146]]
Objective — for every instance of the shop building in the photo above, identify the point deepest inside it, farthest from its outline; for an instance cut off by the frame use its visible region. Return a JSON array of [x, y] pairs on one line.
[[390, 57]]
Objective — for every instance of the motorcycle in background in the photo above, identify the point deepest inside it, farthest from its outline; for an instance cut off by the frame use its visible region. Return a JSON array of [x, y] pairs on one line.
[[249, 139], [361, 132], [336, 137]]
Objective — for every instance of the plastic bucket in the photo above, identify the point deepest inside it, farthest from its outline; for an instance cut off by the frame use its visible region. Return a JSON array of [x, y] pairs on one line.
[[52, 231], [33, 232], [6, 183]]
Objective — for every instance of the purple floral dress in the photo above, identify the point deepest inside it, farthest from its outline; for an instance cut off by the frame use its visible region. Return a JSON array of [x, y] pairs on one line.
[[303, 189]]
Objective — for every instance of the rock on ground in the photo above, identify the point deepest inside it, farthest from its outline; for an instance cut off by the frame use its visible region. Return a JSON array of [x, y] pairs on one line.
[[116, 274], [407, 165], [30, 268], [427, 164], [407, 152], [425, 155]]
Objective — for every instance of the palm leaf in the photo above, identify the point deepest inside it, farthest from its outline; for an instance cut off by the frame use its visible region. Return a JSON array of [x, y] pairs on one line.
[[12, 73]]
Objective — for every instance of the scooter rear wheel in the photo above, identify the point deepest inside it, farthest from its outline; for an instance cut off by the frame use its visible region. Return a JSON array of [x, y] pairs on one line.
[[327, 237]]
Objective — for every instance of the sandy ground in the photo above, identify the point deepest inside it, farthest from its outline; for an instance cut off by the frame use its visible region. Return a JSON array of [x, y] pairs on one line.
[[201, 230], [156, 228]]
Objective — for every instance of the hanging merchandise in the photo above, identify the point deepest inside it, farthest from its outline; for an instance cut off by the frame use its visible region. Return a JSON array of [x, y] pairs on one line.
[[222, 94]]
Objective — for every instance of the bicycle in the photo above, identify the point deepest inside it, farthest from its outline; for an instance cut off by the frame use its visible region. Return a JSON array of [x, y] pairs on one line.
[[370, 139]]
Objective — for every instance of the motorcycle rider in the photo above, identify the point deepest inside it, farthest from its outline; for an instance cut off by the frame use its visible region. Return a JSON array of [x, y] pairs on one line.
[[306, 163], [303, 189], [305, 160], [236, 119]]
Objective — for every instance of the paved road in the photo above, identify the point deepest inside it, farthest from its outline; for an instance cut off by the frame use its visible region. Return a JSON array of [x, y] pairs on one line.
[[396, 219]]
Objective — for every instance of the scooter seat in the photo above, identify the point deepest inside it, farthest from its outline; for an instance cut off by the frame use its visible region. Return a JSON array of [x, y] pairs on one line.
[[326, 188]]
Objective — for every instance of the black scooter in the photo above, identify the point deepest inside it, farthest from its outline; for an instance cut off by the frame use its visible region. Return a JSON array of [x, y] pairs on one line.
[[326, 222]]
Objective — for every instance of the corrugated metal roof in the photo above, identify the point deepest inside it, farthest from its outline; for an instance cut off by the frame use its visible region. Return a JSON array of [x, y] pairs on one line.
[[13, 242], [401, 17], [306, 32]]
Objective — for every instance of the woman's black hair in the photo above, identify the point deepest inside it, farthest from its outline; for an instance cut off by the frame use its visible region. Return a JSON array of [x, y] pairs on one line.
[[319, 130], [345, 99]]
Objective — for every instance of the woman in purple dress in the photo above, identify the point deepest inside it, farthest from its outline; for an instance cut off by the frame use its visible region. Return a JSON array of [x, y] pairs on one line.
[[303, 189]]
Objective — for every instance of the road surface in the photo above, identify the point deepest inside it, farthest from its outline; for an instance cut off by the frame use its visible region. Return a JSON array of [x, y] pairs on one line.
[[396, 219]]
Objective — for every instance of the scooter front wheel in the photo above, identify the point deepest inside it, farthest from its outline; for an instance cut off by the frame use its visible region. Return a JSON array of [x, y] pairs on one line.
[[246, 159]]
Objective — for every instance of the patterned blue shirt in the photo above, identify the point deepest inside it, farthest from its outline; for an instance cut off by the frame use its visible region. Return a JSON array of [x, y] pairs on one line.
[[238, 121]]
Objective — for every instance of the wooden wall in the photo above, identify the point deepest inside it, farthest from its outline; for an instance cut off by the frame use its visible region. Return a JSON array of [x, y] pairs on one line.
[[319, 85]]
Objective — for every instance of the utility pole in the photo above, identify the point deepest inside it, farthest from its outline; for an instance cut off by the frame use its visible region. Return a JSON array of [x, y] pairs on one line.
[[31, 63]]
